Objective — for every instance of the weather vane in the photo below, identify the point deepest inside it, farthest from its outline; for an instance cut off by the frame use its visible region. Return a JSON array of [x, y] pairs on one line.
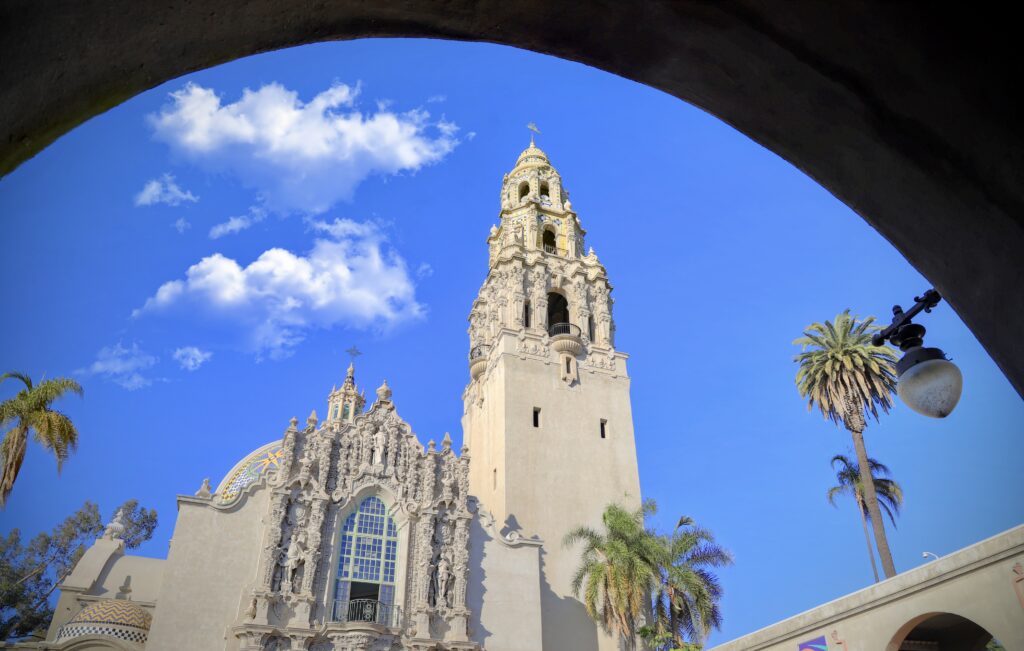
[[532, 127], [354, 352]]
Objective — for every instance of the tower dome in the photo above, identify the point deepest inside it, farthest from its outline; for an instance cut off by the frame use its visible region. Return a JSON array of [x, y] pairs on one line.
[[532, 156], [116, 618]]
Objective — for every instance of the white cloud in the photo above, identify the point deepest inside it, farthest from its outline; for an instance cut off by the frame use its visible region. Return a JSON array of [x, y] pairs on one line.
[[237, 224], [303, 156], [181, 225], [350, 278], [163, 190], [424, 270], [122, 365], [191, 358], [434, 99]]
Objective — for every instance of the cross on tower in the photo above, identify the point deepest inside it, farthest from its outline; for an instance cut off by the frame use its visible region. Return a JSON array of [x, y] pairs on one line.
[[353, 352], [533, 128]]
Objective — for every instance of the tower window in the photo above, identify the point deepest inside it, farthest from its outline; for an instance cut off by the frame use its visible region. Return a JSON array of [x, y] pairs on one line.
[[536, 416], [526, 314], [524, 189], [590, 327], [544, 191], [558, 313], [549, 241], [568, 365], [495, 479], [604, 428]]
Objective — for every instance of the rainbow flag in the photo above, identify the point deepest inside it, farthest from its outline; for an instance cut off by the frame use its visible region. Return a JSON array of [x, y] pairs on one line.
[[818, 644]]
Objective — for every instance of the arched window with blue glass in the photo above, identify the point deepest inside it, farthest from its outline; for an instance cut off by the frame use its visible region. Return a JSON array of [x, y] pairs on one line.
[[367, 564]]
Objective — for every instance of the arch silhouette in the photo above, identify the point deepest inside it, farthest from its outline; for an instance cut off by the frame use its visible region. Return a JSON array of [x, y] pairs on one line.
[[905, 115], [947, 630]]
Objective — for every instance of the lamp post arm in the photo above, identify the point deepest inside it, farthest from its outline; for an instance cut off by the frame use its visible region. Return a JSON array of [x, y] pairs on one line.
[[924, 303]]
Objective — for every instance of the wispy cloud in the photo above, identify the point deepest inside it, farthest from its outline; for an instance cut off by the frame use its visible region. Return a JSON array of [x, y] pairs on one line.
[[434, 99], [163, 190], [237, 224], [424, 270], [123, 366], [301, 156], [349, 278], [191, 358], [181, 225]]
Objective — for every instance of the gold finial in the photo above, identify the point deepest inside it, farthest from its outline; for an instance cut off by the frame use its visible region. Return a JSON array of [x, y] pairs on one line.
[[533, 129]]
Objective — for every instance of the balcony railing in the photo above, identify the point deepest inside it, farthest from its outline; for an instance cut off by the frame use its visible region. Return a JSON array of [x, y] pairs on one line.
[[369, 611], [550, 249], [477, 352], [564, 329]]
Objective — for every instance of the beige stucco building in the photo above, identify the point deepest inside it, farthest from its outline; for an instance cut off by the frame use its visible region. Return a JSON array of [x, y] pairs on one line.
[[349, 533]]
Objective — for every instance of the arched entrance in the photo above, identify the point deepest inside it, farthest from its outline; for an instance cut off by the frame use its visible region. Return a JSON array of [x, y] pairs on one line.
[[915, 128], [943, 632], [558, 313]]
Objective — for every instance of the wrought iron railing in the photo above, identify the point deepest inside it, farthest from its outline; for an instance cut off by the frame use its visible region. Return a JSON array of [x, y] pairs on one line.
[[369, 611], [564, 329], [550, 249]]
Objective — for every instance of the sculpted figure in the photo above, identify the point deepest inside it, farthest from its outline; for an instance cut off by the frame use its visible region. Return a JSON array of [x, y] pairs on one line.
[[443, 581], [379, 442]]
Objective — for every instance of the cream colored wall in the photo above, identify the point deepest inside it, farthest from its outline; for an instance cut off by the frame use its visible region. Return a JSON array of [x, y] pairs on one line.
[[99, 574], [976, 582], [504, 590], [213, 557], [555, 477]]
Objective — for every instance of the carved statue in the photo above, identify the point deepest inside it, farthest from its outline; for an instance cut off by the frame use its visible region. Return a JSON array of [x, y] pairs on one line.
[[379, 443], [442, 582]]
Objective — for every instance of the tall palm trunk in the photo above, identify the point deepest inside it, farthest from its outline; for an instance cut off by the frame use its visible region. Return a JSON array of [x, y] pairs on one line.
[[867, 538], [871, 498]]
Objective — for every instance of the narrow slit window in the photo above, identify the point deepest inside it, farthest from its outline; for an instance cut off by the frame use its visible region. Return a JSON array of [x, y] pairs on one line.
[[526, 314], [536, 416], [604, 428], [590, 327], [568, 365], [495, 479]]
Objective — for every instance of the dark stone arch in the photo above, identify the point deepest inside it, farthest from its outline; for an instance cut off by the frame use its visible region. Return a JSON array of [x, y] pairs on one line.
[[906, 113]]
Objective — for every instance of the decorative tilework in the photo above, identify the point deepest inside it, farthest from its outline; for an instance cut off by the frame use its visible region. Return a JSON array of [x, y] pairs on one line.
[[117, 618], [249, 471]]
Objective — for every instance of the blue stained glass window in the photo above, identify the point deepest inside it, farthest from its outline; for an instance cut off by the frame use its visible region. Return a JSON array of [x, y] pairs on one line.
[[368, 550]]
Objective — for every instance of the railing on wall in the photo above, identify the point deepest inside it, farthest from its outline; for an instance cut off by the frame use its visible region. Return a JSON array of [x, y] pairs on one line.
[[550, 249], [369, 611], [564, 329]]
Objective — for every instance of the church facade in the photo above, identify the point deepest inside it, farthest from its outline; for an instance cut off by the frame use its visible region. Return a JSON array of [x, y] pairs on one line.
[[347, 533]]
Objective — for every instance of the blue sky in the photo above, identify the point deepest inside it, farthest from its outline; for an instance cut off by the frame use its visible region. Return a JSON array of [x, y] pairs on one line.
[[200, 259]]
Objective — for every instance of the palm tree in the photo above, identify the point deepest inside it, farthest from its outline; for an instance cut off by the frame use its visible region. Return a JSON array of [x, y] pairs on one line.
[[616, 574], [845, 376], [685, 601], [30, 410], [890, 494]]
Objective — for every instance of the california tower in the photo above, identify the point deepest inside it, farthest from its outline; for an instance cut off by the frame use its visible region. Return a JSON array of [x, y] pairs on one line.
[[547, 411]]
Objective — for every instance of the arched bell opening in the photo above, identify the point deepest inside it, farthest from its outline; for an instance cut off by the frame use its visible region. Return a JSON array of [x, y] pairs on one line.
[[558, 313], [548, 240]]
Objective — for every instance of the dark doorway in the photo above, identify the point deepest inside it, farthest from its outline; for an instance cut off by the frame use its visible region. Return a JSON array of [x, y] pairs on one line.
[[948, 631], [558, 308]]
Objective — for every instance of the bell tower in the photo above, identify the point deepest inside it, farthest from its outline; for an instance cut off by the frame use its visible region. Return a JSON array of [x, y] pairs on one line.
[[547, 412]]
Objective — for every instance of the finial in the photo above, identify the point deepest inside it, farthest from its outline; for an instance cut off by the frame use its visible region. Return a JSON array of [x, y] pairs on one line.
[[430, 446], [384, 392], [351, 372], [116, 526], [533, 129], [311, 421], [294, 422], [446, 442], [204, 490]]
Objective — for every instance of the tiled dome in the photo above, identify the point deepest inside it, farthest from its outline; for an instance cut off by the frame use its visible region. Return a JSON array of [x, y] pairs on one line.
[[249, 470], [532, 156], [117, 618]]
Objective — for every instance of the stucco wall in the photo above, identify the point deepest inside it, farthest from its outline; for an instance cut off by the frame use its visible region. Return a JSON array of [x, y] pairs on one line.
[[214, 555], [977, 582]]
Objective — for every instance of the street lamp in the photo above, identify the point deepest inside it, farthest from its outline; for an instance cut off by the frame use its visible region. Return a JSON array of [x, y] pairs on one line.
[[926, 381], [927, 554]]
